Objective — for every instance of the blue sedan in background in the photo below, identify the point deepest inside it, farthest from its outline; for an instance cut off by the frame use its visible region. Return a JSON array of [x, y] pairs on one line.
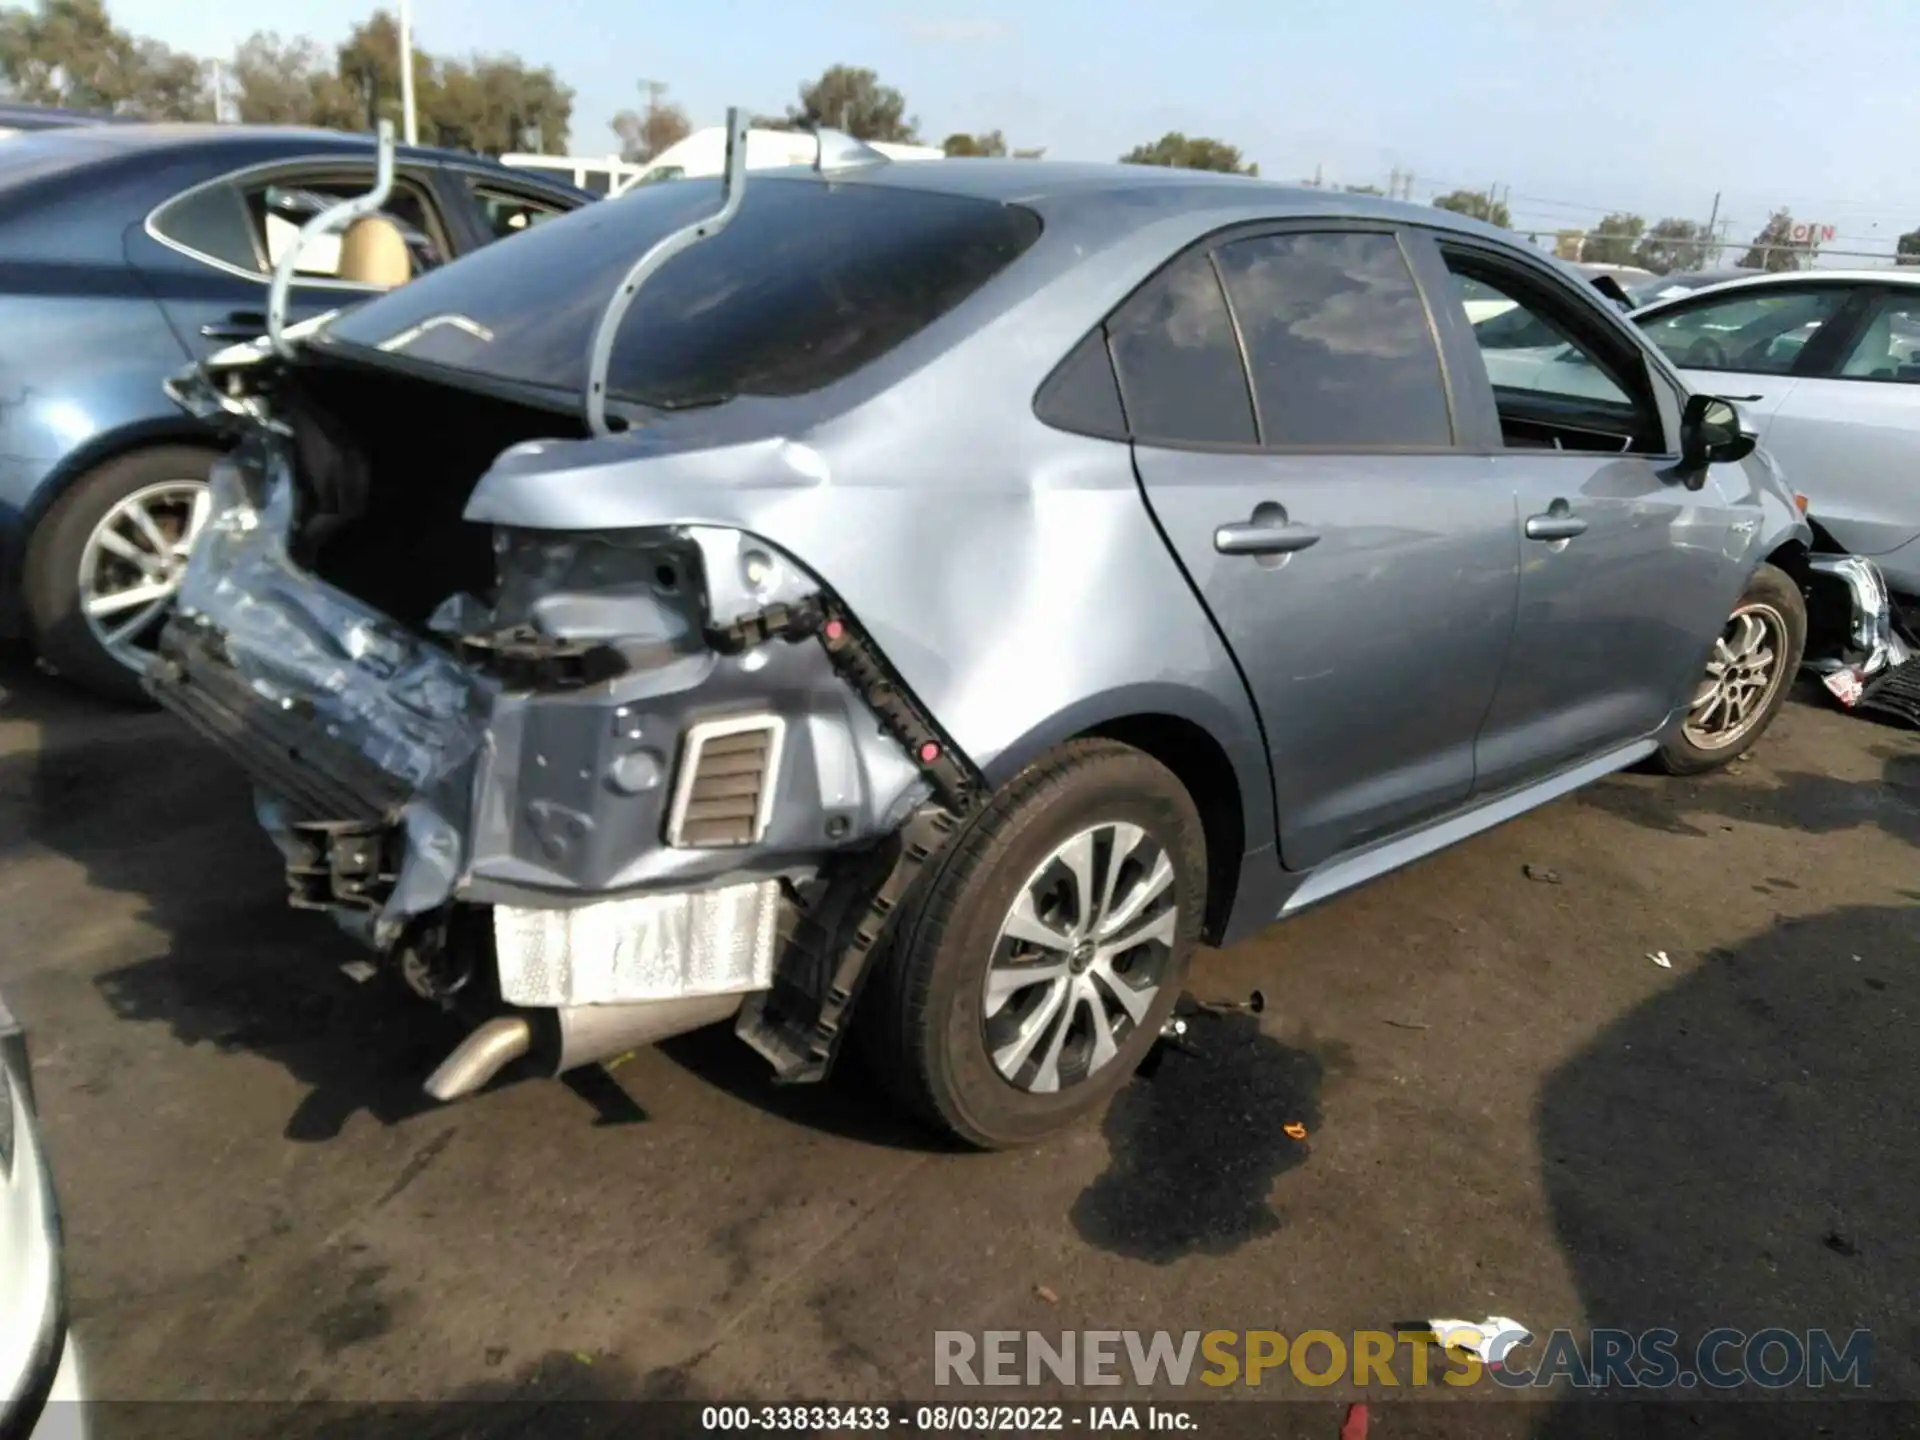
[[127, 251]]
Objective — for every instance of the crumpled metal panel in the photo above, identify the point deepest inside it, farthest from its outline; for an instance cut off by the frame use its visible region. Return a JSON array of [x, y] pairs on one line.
[[650, 947], [1873, 636], [406, 704]]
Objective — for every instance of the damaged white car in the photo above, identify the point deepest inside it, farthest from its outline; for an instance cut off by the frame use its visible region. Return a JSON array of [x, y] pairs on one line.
[[928, 600]]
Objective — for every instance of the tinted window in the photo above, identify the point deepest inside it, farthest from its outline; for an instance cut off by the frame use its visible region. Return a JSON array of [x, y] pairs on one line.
[[1082, 395], [1179, 363], [810, 282], [213, 222], [1337, 340], [1761, 332], [1889, 348], [506, 212]]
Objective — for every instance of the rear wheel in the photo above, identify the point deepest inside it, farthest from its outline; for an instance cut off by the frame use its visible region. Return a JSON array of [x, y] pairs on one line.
[[1747, 677], [1031, 976], [105, 563]]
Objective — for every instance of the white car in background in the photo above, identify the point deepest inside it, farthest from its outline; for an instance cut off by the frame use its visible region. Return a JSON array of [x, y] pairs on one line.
[[1825, 365], [39, 1368]]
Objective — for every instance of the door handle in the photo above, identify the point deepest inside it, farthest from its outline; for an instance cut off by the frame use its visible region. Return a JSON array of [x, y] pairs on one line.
[[1559, 523], [1267, 533], [240, 325]]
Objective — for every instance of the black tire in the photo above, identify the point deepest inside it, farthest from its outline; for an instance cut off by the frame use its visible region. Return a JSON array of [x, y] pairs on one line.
[[922, 1021], [1774, 590], [50, 583]]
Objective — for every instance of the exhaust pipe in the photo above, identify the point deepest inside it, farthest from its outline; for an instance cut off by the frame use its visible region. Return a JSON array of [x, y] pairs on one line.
[[481, 1056], [587, 1033]]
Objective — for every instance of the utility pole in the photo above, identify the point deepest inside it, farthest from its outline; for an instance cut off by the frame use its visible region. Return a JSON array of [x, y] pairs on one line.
[[1712, 256], [410, 124]]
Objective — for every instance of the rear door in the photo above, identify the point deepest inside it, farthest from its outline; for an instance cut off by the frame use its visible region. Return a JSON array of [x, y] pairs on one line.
[[1849, 433], [208, 253], [1359, 563], [1626, 576]]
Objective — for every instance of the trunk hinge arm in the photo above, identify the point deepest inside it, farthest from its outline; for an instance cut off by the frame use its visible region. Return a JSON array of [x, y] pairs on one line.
[[600, 352], [332, 218]]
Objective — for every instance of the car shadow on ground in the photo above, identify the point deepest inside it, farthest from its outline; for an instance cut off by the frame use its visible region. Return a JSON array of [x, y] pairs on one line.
[[1736, 1152], [1816, 804], [150, 811]]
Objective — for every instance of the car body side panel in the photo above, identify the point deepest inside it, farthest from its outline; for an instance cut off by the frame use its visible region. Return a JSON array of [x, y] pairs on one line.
[[1853, 447], [1373, 654], [78, 378], [1609, 625]]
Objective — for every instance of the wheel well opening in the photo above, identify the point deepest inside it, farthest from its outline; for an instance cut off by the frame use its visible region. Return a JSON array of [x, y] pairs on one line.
[[1198, 762]]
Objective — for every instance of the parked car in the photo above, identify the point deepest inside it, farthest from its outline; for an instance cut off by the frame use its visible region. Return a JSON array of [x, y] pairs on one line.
[[19, 119], [1828, 365], [126, 250], [1685, 282], [985, 583], [39, 1366]]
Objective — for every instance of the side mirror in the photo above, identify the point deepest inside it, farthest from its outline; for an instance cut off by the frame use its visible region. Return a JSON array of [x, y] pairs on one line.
[[1710, 433]]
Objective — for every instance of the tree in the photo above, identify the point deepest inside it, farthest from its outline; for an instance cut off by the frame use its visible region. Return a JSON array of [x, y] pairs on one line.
[[1771, 249], [70, 53], [1478, 204], [645, 133], [848, 98], [1674, 244], [992, 143], [1179, 152], [290, 82], [1612, 241], [1908, 251], [491, 104]]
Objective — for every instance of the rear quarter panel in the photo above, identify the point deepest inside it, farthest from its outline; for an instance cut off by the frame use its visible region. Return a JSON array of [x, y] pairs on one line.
[[1011, 572]]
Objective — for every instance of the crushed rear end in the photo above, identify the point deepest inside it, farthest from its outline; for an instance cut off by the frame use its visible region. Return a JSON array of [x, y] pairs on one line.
[[593, 788]]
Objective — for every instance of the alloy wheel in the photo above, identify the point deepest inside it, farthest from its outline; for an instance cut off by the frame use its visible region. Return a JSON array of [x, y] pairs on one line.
[[1745, 671], [1080, 957], [131, 567]]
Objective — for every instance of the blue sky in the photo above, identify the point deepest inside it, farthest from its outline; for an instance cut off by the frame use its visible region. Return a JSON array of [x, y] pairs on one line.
[[1576, 106]]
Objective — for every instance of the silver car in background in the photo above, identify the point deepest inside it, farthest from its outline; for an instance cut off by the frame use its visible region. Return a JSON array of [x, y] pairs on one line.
[[950, 594], [39, 1367], [1827, 367]]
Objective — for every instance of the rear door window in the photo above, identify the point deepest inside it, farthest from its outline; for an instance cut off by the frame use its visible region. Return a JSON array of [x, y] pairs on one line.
[[1338, 341], [1181, 377], [810, 282]]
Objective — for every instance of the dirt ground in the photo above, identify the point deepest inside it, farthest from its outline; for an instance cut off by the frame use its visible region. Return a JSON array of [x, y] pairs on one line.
[[1509, 1109]]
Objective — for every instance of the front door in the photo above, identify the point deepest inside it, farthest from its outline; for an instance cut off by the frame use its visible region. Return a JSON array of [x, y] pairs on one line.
[[1626, 575], [1360, 567]]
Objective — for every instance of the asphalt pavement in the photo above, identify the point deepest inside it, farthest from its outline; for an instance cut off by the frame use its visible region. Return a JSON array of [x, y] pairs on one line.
[[1471, 1092]]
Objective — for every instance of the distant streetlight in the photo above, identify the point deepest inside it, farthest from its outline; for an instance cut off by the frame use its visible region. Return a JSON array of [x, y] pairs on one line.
[[409, 123]]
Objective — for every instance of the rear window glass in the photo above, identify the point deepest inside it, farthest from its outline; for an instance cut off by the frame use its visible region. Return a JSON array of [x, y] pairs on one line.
[[810, 282]]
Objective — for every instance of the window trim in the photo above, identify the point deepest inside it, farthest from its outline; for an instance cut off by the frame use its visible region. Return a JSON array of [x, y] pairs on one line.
[[240, 179], [1256, 229], [1858, 312], [1813, 356], [1596, 326]]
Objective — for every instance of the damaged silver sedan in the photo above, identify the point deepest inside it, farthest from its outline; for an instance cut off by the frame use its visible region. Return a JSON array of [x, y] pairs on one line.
[[927, 601]]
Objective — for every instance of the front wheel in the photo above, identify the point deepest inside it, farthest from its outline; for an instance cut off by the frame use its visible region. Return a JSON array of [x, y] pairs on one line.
[[1747, 679], [1029, 979]]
